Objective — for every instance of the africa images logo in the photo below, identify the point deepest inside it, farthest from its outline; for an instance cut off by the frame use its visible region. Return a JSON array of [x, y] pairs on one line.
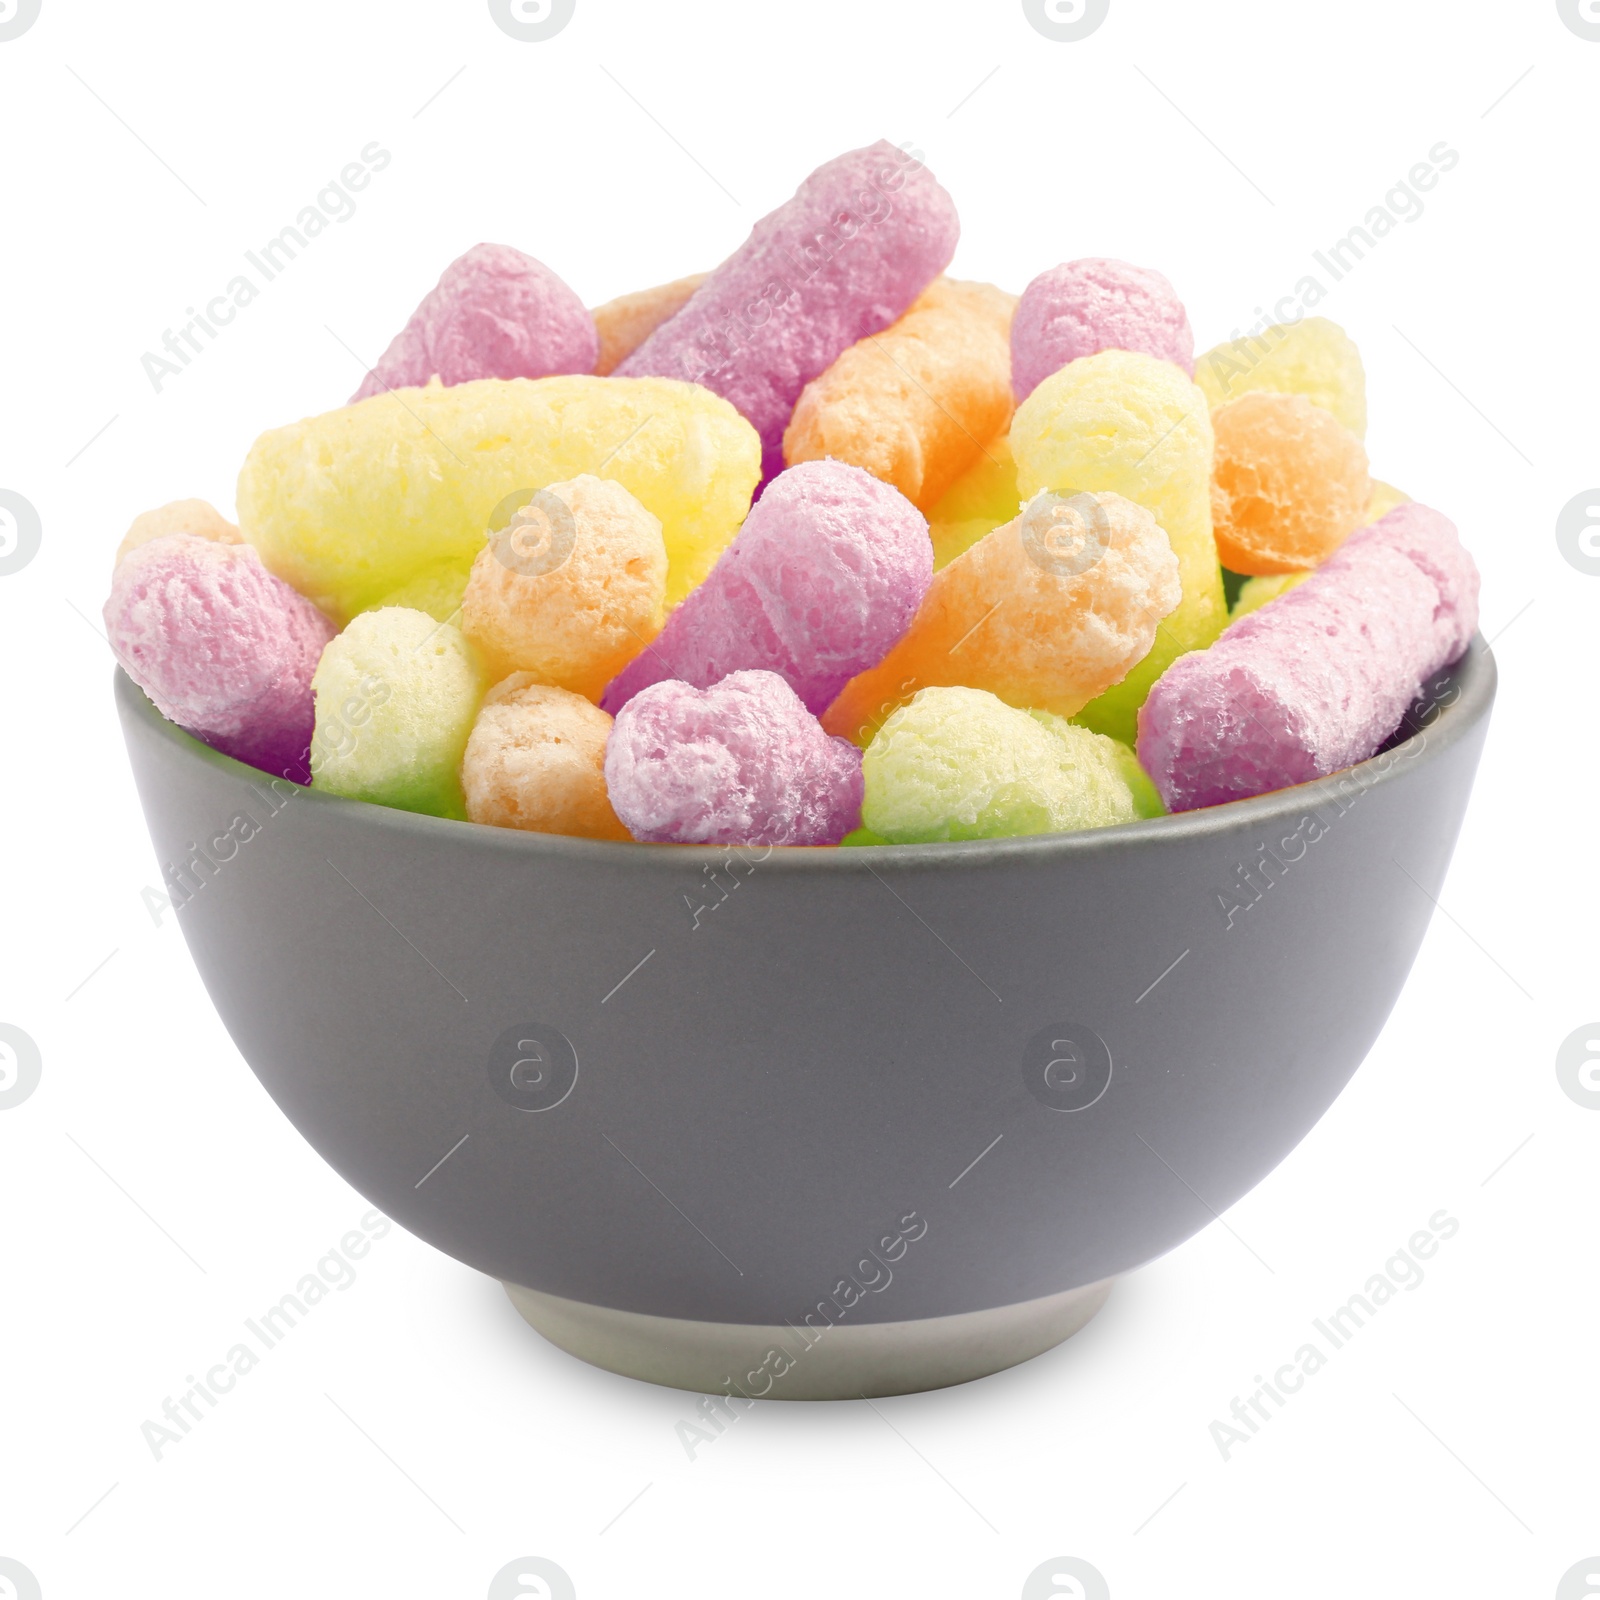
[[16, 17], [20, 532], [531, 21], [1066, 21], [1578, 533]]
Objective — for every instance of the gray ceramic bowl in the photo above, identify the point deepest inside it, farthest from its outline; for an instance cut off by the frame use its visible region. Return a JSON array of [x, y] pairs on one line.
[[808, 1123]]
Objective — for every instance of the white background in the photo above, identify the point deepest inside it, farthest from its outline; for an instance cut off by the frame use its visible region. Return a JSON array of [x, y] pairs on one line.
[[413, 1436]]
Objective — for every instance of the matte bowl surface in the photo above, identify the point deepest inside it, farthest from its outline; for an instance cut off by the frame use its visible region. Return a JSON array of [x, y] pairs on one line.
[[734, 1086]]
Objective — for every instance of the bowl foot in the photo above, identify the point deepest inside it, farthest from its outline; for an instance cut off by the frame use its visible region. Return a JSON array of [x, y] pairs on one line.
[[780, 1362]]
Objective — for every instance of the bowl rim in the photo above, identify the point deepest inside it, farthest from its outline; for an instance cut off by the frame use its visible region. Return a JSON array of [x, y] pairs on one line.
[[1473, 678]]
